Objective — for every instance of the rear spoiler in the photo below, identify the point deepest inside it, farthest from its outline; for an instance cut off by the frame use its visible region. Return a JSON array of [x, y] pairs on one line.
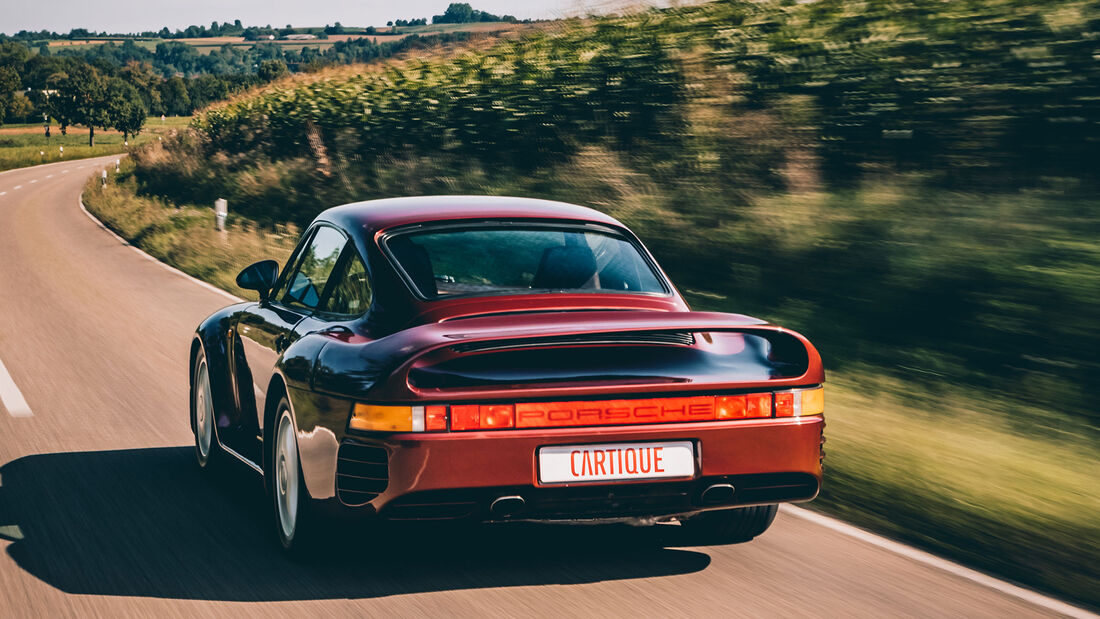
[[385, 370]]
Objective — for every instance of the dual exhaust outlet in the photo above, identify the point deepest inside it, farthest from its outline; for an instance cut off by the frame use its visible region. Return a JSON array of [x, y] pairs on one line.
[[513, 504]]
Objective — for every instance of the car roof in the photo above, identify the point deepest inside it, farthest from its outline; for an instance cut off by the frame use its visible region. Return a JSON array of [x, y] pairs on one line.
[[374, 215]]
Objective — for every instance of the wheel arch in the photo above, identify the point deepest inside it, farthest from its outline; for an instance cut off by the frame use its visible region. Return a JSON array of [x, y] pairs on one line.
[[210, 339], [276, 390]]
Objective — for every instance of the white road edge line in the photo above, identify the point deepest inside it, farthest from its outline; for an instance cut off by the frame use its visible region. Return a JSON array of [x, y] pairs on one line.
[[11, 396], [211, 288], [931, 560], [16, 187], [843, 528]]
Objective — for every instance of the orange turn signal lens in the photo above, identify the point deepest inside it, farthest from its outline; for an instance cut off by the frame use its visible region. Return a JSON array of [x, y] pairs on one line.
[[374, 418], [813, 401]]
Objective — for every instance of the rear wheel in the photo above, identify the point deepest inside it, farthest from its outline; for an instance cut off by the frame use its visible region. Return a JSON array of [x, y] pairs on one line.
[[202, 416], [729, 526], [293, 510]]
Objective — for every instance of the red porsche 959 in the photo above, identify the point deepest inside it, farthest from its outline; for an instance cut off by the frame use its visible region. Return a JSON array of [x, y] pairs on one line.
[[495, 359]]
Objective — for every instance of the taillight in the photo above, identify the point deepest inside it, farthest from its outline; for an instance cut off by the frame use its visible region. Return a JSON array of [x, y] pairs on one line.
[[467, 417], [747, 406]]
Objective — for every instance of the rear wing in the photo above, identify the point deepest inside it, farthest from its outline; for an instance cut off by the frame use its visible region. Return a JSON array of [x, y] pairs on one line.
[[568, 355]]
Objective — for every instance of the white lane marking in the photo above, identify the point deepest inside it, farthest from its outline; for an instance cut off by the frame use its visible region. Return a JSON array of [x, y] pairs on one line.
[[3, 193], [64, 171], [16, 187], [11, 396], [931, 560], [34, 180], [49, 176], [209, 287]]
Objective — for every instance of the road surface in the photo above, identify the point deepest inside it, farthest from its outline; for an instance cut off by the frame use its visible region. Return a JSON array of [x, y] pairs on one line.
[[103, 513]]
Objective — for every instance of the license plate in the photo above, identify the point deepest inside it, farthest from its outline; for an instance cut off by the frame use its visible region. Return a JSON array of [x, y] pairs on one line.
[[616, 461]]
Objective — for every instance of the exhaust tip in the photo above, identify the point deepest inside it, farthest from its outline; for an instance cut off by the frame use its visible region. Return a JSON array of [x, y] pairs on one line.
[[505, 506], [718, 493]]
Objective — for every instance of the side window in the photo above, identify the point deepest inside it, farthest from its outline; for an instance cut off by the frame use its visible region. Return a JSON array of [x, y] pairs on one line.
[[351, 291], [307, 282], [291, 266]]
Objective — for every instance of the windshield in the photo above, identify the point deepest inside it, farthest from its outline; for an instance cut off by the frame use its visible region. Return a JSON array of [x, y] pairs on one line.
[[514, 260]]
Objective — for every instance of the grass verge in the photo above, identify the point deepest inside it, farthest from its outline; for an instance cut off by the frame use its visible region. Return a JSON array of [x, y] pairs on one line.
[[185, 237], [959, 472]]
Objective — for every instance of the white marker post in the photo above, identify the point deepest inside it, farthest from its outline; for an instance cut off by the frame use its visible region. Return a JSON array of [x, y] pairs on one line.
[[104, 178], [117, 161], [61, 150], [221, 211]]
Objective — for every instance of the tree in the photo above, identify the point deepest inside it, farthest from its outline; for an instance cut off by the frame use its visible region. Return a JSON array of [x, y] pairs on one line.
[[271, 70], [82, 94], [20, 107], [174, 97], [126, 111], [457, 12], [13, 54], [144, 78], [9, 83]]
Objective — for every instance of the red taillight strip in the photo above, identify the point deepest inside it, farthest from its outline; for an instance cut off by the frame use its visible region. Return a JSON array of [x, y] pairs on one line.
[[610, 412]]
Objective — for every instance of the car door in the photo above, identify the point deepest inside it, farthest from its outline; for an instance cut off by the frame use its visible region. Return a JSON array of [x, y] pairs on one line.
[[267, 329]]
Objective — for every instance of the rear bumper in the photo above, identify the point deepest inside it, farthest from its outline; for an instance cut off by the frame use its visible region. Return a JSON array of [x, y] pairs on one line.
[[459, 475]]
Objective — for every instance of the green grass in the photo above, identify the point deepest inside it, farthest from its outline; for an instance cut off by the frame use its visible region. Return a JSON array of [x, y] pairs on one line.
[[952, 473], [24, 145], [963, 473]]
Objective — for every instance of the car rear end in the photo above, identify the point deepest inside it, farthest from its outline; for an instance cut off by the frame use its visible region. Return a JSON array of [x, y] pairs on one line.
[[591, 416]]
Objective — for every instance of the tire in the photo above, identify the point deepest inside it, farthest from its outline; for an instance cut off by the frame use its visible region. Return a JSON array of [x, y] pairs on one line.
[[293, 512], [729, 526], [203, 419]]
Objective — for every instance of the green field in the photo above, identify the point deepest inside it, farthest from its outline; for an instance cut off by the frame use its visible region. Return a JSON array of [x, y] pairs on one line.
[[24, 145]]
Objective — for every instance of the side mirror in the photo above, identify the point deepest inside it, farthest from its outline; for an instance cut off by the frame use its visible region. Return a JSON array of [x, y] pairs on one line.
[[259, 276]]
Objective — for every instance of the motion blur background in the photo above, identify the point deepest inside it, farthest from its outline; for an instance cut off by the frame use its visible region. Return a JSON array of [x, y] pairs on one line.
[[910, 183]]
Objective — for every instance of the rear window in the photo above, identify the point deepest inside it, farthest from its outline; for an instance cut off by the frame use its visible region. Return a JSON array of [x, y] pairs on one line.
[[511, 259]]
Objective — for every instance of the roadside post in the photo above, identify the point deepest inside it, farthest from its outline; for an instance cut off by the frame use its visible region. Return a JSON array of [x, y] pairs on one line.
[[221, 211], [117, 161], [104, 177]]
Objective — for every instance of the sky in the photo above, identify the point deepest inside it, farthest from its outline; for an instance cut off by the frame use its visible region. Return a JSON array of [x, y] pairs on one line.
[[125, 16]]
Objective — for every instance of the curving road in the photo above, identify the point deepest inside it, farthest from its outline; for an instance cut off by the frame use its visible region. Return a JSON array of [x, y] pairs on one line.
[[102, 512]]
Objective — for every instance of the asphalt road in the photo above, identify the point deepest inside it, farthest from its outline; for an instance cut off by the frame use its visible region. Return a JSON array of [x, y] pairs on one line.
[[103, 513]]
